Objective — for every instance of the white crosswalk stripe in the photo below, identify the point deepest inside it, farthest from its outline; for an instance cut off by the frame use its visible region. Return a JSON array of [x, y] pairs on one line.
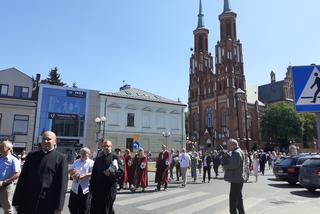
[[248, 204], [196, 207], [148, 196], [170, 201], [173, 197]]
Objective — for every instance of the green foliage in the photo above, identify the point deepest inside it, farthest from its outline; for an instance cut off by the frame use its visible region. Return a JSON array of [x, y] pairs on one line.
[[280, 123], [309, 127], [74, 85], [54, 78]]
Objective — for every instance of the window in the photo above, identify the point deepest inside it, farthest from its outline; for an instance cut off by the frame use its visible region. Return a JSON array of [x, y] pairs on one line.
[[209, 118], [4, 90], [71, 127], [130, 120], [0, 120], [129, 144], [20, 91], [20, 124]]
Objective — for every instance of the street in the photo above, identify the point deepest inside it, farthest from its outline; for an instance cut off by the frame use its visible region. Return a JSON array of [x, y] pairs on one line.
[[268, 195], [259, 198]]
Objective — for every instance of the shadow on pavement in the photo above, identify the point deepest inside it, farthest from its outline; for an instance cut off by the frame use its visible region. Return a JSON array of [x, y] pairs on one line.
[[285, 185], [274, 179], [306, 194]]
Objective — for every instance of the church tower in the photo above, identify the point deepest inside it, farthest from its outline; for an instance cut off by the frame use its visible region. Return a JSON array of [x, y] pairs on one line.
[[200, 80], [230, 80], [217, 102]]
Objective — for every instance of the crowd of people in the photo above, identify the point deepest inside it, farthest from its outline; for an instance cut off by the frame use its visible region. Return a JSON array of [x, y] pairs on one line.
[[43, 175]]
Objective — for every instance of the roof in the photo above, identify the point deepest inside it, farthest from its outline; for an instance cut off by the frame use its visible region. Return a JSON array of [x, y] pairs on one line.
[[138, 94], [271, 92], [15, 70]]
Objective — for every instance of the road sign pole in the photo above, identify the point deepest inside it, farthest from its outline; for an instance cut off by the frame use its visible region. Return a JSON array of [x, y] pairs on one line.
[[318, 130]]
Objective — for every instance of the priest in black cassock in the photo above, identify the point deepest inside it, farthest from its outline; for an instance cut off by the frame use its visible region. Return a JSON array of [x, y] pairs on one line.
[[103, 183], [43, 181]]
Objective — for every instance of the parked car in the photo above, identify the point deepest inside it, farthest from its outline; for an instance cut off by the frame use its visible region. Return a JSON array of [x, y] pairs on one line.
[[309, 176], [288, 168]]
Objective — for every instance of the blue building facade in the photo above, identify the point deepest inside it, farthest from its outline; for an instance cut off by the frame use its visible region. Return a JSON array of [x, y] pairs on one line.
[[63, 110]]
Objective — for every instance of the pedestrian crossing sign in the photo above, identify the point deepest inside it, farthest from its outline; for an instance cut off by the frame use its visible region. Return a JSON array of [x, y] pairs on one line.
[[306, 88]]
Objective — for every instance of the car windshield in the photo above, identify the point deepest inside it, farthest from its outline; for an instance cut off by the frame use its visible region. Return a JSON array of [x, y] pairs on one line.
[[312, 162]]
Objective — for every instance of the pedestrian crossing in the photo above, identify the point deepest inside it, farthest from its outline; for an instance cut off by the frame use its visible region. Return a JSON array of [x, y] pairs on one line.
[[184, 201]]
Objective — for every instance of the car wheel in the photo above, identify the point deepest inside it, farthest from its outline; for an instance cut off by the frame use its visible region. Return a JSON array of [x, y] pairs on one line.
[[292, 182], [311, 189]]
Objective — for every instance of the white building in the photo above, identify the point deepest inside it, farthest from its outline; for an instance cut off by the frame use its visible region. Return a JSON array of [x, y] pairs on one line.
[[133, 115]]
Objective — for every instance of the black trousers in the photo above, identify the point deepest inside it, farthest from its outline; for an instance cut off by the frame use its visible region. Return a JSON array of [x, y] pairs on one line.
[[215, 168], [205, 170], [178, 171], [77, 202], [102, 202], [235, 199]]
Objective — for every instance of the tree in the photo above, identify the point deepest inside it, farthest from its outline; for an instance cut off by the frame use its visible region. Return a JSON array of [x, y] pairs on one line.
[[309, 127], [54, 78], [74, 85], [280, 123]]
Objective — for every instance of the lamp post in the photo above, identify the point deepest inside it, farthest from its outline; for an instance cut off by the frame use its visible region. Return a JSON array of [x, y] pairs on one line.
[[166, 135], [238, 94], [100, 122]]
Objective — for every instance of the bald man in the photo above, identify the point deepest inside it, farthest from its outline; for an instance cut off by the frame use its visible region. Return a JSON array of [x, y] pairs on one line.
[[43, 181]]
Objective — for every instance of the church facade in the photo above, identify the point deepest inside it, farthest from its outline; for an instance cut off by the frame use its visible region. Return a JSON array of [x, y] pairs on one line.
[[218, 102]]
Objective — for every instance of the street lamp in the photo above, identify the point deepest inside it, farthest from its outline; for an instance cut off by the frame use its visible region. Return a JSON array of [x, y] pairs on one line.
[[238, 94], [100, 121], [166, 135]]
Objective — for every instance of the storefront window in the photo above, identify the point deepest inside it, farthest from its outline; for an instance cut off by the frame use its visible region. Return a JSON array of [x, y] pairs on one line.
[[72, 127]]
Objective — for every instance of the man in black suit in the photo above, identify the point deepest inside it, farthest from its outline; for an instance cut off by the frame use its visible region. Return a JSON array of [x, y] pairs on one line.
[[103, 183], [43, 181], [206, 160]]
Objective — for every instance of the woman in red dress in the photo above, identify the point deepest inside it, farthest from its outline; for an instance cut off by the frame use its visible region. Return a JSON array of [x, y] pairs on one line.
[[141, 170], [129, 168]]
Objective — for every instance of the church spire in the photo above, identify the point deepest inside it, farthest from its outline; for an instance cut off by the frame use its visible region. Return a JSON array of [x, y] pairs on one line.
[[226, 7], [200, 16]]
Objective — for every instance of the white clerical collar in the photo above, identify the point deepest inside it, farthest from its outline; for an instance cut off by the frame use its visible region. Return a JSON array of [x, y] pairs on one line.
[[47, 151]]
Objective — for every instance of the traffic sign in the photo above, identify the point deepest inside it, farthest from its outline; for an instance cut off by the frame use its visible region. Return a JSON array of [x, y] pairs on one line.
[[306, 88], [135, 146]]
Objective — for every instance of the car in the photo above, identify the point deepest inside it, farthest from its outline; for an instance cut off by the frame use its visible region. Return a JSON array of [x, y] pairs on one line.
[[288, 168], [309, 176]]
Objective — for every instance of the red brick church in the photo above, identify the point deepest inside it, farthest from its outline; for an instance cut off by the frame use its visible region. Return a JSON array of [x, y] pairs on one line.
[[218, 101]]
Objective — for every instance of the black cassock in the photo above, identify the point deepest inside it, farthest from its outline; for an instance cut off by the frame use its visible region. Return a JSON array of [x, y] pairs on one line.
[[42, 184], [102, 187]]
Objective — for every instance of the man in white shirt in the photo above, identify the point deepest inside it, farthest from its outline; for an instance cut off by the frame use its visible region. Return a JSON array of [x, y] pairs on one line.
[[81, 172], [9, 172], [185, 163]]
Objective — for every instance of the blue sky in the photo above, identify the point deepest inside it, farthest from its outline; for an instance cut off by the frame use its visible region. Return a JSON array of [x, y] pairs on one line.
[[100, 43]]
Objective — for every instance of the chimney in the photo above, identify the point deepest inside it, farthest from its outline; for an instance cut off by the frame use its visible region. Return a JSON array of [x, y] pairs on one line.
[[125, 87]]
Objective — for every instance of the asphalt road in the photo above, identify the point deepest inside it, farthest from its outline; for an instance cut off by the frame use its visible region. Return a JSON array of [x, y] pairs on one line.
[[266, 196]]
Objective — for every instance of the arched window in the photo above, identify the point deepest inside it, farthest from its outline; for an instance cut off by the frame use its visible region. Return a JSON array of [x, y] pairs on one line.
[[195, 121], [224, 118], [209, 118]]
